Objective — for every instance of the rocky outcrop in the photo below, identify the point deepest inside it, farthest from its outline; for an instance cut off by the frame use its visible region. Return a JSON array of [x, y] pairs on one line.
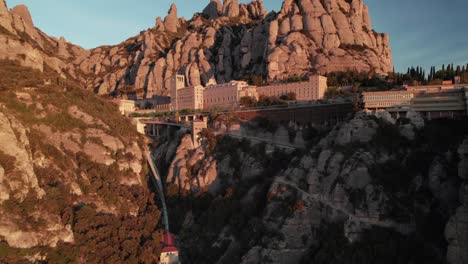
[[182, 172], [171, 22], [231, 8], [366, 182], [456, 231], [305, 36], [15, 144], [20, 182], [47, 167], [21, 41], [5, 20], [336, 34], [214, 9], [23, 12]]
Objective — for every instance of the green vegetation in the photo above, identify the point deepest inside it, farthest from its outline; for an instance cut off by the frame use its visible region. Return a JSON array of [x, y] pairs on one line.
[[248, 101], [357, 79], [15, 76], [7, 162], [417, 75], [15, 255], [57, 98], [128, 231]]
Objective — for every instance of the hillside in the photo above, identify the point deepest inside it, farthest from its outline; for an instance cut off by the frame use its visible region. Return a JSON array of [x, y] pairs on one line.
[[73, 183], [224, 42], [371, 189]]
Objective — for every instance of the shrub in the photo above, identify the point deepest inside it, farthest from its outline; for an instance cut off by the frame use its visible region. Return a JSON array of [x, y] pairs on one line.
[[7, 162], [248, 101]]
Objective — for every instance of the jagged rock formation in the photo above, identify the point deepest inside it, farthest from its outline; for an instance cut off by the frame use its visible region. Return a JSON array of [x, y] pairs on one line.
[[171, 22], [456, 230], [21, 41], [367, 184], [337, 35], [225, 42], [5, 21], [214, 9], [304, 37], [184, 160]]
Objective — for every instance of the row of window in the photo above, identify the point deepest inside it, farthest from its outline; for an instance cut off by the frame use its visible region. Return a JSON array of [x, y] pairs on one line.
[[218, 100], [386, 104], [388, 96]]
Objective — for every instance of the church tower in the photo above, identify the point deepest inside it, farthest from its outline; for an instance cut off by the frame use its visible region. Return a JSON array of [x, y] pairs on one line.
[[177, 83]]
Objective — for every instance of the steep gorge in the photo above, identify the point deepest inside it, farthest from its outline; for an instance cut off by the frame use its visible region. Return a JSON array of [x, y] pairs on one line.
[[368, 190]]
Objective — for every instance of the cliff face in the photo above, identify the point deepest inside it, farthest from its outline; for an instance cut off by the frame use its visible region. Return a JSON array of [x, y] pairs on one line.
[[456, 230], [72, 174], [227, 41], [21, 41], [231, 41], [372, 188]]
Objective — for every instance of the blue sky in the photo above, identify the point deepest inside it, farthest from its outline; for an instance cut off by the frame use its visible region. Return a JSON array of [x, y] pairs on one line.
[[422, 32]]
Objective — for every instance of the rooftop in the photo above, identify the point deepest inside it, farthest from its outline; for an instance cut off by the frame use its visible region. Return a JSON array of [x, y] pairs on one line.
[[169, 249]]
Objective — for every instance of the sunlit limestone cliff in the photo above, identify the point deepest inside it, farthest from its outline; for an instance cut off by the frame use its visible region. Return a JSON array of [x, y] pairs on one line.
[[224, 42]]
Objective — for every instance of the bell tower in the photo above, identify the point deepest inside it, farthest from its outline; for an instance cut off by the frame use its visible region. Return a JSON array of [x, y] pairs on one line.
[[177, 83]]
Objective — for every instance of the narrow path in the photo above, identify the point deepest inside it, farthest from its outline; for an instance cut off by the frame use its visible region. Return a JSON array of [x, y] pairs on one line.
[[403, 228]]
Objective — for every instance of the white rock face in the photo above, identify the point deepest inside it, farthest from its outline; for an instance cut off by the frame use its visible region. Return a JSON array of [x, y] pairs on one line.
[[54, 232], [329, 25], [415, 119], [15, 144], [17, 184], [360, 129]]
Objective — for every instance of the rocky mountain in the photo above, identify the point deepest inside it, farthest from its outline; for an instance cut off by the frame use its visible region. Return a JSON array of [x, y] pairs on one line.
[[371, 189], [224, 42], [73, 180]]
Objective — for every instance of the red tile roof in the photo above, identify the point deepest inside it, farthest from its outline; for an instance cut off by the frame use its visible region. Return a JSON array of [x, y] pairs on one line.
[[169, 249]]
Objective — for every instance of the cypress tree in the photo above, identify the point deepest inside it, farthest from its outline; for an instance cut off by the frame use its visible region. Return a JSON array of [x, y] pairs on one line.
[[443, 72]]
